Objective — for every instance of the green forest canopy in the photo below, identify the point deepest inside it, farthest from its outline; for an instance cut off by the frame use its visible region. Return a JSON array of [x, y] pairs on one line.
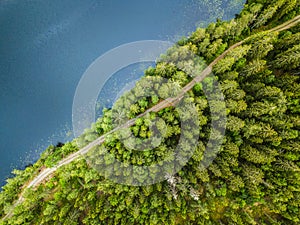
[[255, 177]]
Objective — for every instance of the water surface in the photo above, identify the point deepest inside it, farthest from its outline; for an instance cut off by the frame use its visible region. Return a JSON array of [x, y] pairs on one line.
[[46, 45]]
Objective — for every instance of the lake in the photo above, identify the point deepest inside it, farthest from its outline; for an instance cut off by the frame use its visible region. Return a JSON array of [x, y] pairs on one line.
[[45, 47]]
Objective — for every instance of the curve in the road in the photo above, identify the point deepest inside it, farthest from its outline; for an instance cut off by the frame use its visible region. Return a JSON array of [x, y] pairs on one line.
[[163, 104]]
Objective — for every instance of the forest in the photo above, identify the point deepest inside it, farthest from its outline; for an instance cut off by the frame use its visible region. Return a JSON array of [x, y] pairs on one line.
[[254, 178]]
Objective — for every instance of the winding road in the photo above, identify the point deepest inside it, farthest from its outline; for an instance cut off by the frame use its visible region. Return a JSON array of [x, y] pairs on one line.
[[163, 104]]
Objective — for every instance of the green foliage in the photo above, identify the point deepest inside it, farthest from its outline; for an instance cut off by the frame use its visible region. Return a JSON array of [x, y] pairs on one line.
[[254, 179]]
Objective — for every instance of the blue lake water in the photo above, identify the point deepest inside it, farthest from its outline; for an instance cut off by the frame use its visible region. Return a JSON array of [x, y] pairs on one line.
[[46, 45]]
